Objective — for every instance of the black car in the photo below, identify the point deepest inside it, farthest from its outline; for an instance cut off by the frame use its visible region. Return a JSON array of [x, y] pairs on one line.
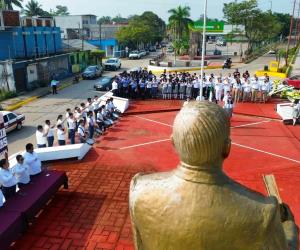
[[104, 84], [152, 49], [92, 72]]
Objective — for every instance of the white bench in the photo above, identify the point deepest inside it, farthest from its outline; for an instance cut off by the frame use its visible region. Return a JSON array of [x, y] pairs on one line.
[[285, 110], [122, 104], [56, 153]]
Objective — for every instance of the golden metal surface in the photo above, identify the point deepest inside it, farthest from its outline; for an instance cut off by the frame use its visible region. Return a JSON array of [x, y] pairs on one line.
[[198, 207]]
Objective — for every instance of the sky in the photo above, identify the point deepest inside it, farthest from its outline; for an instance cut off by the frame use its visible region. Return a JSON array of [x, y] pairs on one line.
[[160, 7]]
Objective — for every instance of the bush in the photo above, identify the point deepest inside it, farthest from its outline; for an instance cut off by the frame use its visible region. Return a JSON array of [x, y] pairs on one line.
[[4, 94]]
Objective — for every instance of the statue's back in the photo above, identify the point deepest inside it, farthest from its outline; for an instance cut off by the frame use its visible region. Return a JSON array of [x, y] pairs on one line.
[[173, 213]]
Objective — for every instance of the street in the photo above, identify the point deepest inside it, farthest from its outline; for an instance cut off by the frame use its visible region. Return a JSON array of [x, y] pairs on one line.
[[49, 107]]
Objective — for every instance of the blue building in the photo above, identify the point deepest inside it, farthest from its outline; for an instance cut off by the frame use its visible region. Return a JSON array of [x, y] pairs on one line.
[[29, 42], [110, 46]]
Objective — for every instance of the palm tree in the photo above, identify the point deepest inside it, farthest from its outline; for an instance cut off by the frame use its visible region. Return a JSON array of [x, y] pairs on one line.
[[179, 21], [33, 8], [9, 4]]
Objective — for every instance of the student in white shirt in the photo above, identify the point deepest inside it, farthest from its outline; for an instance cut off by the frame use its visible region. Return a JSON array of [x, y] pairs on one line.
[[237, 90], [54, 83], [21, 171], [32, 160], [115, 87], [254, 89], [40, 137], [81, 131], [71, 128], [219, 89], [60, 121], [7, 180], [246, 90], [61, 136], [228, 104], [50, 133], [264, 91]]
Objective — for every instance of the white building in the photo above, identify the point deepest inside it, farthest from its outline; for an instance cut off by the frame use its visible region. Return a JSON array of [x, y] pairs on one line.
[[78, 26]]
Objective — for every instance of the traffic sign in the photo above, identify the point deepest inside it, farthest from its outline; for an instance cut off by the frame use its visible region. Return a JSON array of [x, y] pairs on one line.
[[211, 27]]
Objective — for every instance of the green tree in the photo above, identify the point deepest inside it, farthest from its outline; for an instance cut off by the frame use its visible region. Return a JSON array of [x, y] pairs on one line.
[[119, 19], [284, 20], [178, 22], [10, 3], [104, 20], [147, 28], [33, 8], [259, 26], [61, 10]]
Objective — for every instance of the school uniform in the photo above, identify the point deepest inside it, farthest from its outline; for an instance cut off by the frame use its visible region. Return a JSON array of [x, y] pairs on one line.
[[33, 162], [81, 132], [41, 140], [91, 127], [182, 90], [50, 135], [154, 88], [219, 91], [189, 90], [176, 90], [21, 172], [246, 91], [60, 122], [196, 86], [228, 105], [237, 91], [254, 90], [71, 130], [148, 89], [61, 137], [8, 182]]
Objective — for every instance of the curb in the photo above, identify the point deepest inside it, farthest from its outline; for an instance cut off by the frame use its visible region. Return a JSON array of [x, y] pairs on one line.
[[33, 98]]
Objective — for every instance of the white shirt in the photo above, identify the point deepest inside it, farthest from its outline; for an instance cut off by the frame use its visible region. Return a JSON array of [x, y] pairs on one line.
[[80, 131], [7, 179], [114, 85], [71, 123], [1, 198], [219, 86], [61, 135], [40, 138], [196, 84], [33, 163], [50, 130], [60, 122], [54, 83], [21, 173], [226, 104], [90, 121], [96, 104]]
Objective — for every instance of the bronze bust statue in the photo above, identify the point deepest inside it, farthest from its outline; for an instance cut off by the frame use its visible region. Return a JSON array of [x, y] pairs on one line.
[[198, 207]]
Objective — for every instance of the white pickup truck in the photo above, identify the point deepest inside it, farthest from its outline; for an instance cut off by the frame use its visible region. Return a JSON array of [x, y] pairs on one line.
[[112, 64]]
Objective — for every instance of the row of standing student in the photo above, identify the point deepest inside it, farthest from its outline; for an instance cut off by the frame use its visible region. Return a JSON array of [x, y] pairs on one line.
[[12, 179], [90, 117]]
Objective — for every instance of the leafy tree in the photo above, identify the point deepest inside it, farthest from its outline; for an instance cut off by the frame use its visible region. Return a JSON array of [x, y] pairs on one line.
[[284, 19], [61, 10], [259, 26], [178, 21], [119, 19], [146, 28], [10, 3], [33, 8], [104, 20]]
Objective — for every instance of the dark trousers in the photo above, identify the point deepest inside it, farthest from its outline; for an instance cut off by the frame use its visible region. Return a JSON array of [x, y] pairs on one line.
[[50, 141], [54, 89], [61, 142], [41, 146], [8, 191], [91, 132], [71, 134]]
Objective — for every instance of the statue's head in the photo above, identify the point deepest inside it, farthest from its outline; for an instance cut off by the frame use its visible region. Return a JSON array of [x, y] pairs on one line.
[[201, 134]]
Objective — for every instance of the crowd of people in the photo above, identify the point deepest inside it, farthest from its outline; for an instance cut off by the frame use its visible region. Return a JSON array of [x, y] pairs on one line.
[[11, 179], [87, 120], [144, 84]]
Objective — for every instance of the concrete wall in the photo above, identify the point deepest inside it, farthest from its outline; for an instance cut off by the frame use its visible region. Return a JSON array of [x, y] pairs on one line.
[[7, 81], [68, 22]]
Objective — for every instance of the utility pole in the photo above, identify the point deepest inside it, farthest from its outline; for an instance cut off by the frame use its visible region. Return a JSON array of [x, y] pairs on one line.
[[203, 49], [100, 33], [80, 35], [291, 31]]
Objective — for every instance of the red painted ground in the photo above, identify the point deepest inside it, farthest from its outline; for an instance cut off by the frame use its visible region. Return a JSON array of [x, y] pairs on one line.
[[93, 213]]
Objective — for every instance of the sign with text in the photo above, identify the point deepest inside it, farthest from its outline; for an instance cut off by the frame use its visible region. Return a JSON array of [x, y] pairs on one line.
[[211, 27], [3, 139]]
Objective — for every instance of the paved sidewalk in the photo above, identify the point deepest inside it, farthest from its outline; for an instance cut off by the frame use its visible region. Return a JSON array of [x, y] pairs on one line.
[[26, 97]]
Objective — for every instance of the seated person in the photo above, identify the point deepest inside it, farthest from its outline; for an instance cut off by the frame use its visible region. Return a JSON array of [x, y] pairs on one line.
[[21, 171], [7, 180], [32, 160]]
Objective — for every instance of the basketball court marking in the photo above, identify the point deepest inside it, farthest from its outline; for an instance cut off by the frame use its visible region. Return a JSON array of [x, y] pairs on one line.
[[236, 144]]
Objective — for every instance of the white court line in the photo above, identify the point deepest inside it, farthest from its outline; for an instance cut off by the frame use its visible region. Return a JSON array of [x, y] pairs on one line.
[[143, 118], [143, 144], [236, 144], [250, 124], [266, 152], [165, 124]]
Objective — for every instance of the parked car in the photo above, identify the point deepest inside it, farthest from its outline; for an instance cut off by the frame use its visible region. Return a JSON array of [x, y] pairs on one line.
[[104, 84], [135, 55], [170, 50], [112, 63], [293, 81], [12, 120], [92, 72], [152, 49], [143, 52], [221, 43]]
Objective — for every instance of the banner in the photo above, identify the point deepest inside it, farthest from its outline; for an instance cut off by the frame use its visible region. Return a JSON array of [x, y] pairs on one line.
[[3, 139], [211, 27]]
